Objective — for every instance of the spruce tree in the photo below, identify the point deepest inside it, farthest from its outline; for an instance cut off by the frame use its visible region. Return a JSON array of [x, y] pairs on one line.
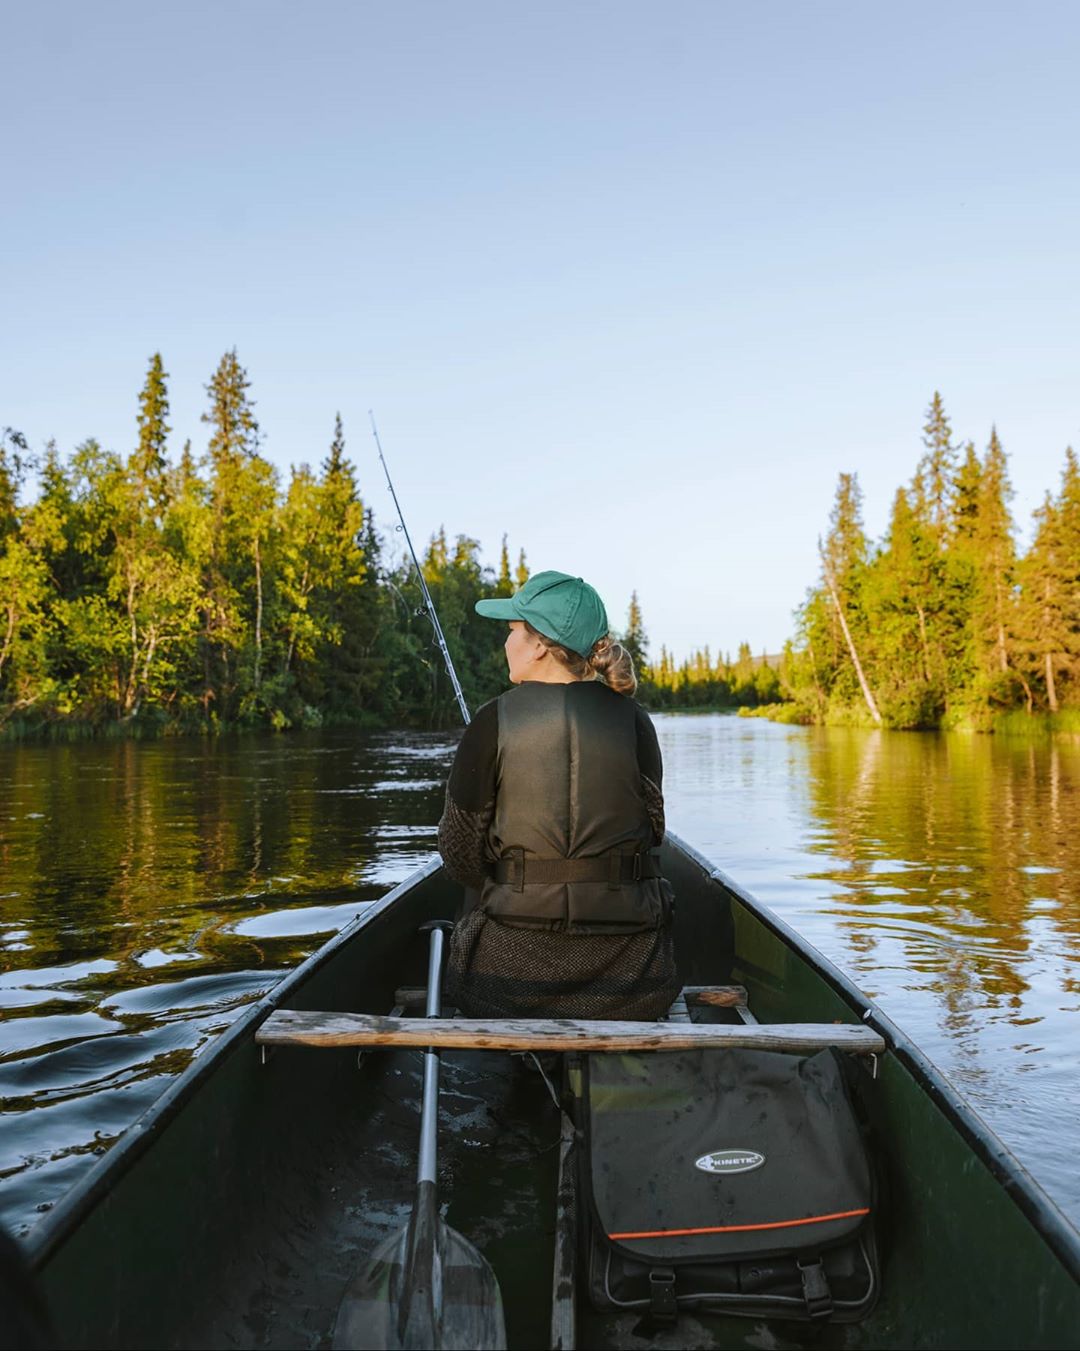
[[437, 559], [995, 559], [845, 545], [27, 537], [966, 498], [150, 584], [148, 466], [934, 478], [743, 676], [1048, 613], [243, 494], [903, 581], [635, 639], [234, 430], [186, 468], [348, 675], [335, 460], [188, 537], [964, 686], [1042, 629], [843, 559], [14, 457], [322, 572], [505, 584]]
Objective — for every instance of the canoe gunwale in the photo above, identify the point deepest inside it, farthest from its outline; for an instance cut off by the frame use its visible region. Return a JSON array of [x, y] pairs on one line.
[[53, 1229], [1038, 1208], [51, 1232]]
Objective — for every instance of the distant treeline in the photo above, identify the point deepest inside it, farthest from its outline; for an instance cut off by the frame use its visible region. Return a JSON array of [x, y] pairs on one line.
[[943, 623], [143, 594], [701, 681]]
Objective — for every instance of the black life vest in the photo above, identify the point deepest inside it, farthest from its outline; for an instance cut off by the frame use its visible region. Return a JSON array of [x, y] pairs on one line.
[[568, 787]]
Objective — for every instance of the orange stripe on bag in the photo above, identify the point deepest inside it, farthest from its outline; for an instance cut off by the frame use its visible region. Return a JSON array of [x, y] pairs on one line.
[[743, 1228]]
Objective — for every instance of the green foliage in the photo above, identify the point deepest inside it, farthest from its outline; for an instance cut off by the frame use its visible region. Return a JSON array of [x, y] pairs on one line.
[[949, 627], [635, 639], [149, 594], [935, 478], [1020, 723], [149, 465], [1047, 638], [505, 585], [700, 682], [152, 595]]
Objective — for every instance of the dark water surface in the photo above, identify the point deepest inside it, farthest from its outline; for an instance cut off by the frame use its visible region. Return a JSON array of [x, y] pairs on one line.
[[149, 891]]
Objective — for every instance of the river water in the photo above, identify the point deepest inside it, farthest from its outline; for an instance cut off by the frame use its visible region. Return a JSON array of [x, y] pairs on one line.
[[150, 890]]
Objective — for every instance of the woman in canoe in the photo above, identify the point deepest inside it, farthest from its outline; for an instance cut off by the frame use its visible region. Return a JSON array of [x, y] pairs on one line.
[[553, 815]]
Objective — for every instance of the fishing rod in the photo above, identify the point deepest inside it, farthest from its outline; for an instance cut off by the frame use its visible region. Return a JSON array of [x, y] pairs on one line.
[[440, 639]]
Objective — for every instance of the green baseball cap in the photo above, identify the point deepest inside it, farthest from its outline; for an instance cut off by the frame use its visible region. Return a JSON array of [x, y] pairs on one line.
[[562, 608]]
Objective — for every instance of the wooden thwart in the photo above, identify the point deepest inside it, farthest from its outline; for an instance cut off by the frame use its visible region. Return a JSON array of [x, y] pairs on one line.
[[287, 1027]]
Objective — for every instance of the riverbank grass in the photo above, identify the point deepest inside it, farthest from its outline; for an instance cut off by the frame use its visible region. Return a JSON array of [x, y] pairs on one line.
[[792, 714], [1065, 723]]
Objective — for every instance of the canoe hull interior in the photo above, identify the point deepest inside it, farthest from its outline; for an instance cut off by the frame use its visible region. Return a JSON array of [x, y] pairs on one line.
[[239, 1208]]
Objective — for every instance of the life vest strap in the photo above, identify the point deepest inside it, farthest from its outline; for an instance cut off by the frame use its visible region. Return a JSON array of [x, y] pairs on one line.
[[616, 868]]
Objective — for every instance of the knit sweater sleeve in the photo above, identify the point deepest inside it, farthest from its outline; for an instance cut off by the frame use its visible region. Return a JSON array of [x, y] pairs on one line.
[[651, 768], [470, 800]]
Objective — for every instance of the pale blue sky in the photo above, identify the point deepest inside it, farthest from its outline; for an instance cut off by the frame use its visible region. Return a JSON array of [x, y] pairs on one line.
[[633, 282]]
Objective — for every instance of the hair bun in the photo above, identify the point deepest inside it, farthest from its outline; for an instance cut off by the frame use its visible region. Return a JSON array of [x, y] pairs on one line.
[[608, 661], [614, 665]]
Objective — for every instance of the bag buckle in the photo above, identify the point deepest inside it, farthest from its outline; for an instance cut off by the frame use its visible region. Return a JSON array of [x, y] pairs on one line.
[[517, 869], [815, 1288], [638, 867], [662, 1304]]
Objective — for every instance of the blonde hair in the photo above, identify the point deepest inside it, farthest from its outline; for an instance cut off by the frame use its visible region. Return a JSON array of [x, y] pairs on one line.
[[608, 661]]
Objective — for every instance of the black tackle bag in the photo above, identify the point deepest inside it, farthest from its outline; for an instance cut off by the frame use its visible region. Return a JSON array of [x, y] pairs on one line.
[[732, 1181]]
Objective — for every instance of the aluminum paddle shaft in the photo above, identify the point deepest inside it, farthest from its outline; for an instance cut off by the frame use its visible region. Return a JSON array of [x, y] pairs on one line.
[[425, 1286], [429, 1113], [440, 638]]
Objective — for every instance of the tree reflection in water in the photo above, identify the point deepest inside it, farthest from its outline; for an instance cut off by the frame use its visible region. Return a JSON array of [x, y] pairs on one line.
[[941, 871], [151, 890]]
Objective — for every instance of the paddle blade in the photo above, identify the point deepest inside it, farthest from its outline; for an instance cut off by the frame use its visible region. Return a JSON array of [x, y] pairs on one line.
[[459, 1308]]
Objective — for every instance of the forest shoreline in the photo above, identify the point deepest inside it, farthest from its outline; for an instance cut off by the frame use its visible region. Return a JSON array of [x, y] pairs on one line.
[[143, 596], [154, 729], [146, 596], [1018, 724], [1013, 724]]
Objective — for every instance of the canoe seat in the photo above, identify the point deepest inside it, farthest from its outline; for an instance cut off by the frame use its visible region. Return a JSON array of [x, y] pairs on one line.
[[719, 996], [709, 996], [290, 1027], [412, 999]]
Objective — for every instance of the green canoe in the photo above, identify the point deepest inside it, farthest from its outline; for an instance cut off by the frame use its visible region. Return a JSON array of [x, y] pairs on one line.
[[236, 1210]]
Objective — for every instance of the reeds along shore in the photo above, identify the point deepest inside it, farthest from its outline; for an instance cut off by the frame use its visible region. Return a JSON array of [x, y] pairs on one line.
[[142, 594]]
